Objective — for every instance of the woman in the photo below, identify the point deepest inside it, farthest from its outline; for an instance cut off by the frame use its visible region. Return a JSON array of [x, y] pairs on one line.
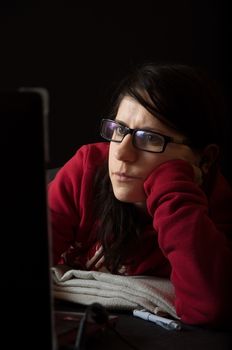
[[152, 200]]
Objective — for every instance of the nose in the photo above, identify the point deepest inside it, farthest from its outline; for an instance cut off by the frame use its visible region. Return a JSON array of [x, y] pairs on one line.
[[125, 151]]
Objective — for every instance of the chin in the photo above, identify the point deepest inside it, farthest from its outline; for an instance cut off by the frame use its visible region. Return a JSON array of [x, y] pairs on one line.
[[133, 198]]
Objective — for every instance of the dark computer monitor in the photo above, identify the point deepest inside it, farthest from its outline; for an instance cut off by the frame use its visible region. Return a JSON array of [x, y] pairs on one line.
[[25, 249]]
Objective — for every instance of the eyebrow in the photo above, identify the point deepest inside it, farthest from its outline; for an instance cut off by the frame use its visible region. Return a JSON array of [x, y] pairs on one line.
[[145, 128]]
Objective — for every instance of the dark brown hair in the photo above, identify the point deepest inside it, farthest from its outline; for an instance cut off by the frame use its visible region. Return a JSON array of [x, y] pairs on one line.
[[185, 99]]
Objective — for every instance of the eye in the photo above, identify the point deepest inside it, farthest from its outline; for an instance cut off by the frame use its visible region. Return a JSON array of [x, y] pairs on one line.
[[153, 139], [119, 130]]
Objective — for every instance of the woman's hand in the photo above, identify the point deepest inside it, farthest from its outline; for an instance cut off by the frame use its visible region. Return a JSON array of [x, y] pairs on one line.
[[184, 152], [198, 174]]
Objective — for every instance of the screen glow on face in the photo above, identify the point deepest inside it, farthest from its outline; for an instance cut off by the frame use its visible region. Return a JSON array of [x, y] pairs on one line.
[[142, 139]]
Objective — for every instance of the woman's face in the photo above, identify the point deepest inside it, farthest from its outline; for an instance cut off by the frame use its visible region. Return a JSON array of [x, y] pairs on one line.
[[128, 166]]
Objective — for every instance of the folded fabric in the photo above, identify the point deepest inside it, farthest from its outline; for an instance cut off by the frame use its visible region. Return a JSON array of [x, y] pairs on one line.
[[114, 291]]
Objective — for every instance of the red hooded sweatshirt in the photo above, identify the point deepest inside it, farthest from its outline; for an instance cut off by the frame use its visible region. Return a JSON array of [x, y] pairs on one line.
[[188, 239]]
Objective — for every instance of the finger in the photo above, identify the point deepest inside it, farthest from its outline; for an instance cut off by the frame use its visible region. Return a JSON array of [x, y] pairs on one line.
[[198, 175], [100, 262], [96, 257]]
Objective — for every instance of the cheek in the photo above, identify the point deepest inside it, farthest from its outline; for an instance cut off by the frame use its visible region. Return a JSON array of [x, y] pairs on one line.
[[175, 151], [110, 160], [144, 164], [152, 162]]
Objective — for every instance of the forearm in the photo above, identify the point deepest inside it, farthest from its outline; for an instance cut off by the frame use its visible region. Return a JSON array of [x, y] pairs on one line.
[[198, 253], [63, 215], [62, 236]]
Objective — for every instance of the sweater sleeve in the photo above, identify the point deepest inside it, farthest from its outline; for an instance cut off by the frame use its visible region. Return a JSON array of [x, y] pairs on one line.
[[198, 252], [70, 199], [63, 194]]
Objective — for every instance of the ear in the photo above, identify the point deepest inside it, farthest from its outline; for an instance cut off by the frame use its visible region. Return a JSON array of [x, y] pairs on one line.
[[209, 156]]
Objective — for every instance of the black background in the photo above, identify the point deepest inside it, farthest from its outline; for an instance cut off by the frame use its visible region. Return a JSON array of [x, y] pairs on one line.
[[78, 50]]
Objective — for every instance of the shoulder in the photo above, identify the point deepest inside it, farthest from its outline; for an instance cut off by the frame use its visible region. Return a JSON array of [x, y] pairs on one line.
[[85, 160], [82, 166], [221, 190], [94, 151]]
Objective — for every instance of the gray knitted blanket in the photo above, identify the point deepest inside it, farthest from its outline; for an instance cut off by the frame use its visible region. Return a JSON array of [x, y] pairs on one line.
[[114, 291]]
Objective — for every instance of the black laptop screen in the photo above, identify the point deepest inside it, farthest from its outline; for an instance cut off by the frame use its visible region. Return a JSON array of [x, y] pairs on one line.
[[25, 261]]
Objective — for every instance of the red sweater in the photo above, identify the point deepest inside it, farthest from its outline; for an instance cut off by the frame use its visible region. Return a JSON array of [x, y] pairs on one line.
[[189, 240]]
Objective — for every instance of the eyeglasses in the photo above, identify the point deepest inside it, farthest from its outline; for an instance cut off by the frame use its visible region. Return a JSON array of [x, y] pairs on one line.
[[144, 140]]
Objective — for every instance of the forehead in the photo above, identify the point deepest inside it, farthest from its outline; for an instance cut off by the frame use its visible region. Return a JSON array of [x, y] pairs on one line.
[[134, 115], [132, 112]]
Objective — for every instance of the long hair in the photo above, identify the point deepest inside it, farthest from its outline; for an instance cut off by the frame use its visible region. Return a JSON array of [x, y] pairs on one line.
[[183, 98], [120, 223]]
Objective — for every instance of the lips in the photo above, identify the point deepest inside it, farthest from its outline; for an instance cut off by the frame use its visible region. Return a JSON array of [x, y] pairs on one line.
[[120, 176]]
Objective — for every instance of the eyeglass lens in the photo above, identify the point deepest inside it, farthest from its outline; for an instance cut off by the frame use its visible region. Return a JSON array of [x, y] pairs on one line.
[[148, 141], [142, 139]]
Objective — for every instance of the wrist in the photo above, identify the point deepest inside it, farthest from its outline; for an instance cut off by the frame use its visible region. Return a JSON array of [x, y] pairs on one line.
[[175, 170]]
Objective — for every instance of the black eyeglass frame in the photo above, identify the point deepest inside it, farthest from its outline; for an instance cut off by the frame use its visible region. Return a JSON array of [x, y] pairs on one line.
[[167, 139]]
